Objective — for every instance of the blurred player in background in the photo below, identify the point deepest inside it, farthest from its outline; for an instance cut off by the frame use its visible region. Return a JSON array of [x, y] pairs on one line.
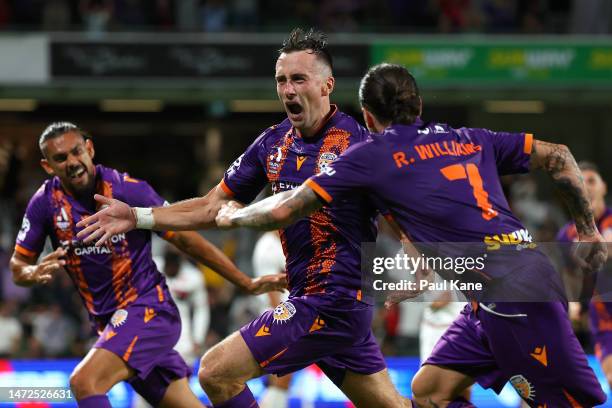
[[326, 320], [600, 313], [269, 259], [127, 299], [187, 287], [437, 317], [442, 185]]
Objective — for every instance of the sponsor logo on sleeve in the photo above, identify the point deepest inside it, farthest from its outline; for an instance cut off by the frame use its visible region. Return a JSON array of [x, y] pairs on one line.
[[25, 228]]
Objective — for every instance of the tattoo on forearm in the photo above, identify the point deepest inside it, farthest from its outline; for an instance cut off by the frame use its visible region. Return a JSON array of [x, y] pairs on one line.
[[558, 161]]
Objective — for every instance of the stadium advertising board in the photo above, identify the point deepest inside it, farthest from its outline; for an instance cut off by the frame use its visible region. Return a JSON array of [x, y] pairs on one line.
[[472, 63], [309, 387], [177, 60]]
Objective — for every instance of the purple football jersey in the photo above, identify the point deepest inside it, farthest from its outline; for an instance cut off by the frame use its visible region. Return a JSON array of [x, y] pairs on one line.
[[323, 249], [109, 277], [440, 184]]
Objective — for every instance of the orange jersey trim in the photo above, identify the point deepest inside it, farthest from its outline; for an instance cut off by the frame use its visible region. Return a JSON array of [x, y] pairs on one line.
[[319, 190], [274, 357], [528, 143], [160, 293], [25, 252], [226, 189], [128, 352]]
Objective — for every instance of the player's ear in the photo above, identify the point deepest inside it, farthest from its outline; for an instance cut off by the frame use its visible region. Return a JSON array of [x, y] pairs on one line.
[[368, 118], [90, 148], [328, 86], [44, 163]]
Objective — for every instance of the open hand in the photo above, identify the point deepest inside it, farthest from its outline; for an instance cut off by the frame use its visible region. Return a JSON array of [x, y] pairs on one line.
[[116, 217]]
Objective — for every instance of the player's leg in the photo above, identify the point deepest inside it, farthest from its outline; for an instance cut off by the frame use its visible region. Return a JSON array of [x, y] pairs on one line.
[[277, 393], [460, 358], [372, 390], [179, 395], [95, 375], [224, 371], [440, 386], [166, 385]]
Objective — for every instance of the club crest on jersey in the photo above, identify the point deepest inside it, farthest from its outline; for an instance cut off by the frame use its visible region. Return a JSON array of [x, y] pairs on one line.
[[283, 312], [523, 387], [62, 221], [325, 160], [274, 160], [119, 317]]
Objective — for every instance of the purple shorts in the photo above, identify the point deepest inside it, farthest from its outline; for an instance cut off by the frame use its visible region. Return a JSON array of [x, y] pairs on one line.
[[532, 345], [334, 333], [143, 335]]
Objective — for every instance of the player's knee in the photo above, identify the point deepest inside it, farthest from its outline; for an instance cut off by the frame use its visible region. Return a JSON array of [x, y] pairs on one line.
[[424, 390], [421, 388], [81, 384], [211, 373]]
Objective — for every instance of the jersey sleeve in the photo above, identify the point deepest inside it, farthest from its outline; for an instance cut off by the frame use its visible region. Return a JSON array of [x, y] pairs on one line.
[[246, 177], [34, 226], [348, 174], [139, 193], [512, 150]]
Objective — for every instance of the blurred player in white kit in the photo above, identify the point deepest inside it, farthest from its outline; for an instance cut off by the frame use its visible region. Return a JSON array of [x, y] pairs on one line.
[[187, 287]]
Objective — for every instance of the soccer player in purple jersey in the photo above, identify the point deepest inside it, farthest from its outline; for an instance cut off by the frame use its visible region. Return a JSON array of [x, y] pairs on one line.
[[600, 313], [126, 297], [442, 185], [327, 319]]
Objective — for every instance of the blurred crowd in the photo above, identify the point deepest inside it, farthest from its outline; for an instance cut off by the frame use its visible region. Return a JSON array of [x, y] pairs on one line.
[[423, 16], [50, 321]]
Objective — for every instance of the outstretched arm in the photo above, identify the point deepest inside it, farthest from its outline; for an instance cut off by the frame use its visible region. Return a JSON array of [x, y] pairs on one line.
[[274, 212], [559, 163], [197, 247], [117, 217]]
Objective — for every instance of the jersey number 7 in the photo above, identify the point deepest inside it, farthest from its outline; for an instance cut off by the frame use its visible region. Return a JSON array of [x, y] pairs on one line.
[[472, 174]]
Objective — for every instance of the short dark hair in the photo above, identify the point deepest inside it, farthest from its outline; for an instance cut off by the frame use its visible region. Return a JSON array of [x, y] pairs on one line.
[[315, 41], [391, 93], [587, 165], [56, 129]]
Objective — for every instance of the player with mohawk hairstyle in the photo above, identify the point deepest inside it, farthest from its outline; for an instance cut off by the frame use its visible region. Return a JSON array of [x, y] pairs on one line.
[[327, 320]]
